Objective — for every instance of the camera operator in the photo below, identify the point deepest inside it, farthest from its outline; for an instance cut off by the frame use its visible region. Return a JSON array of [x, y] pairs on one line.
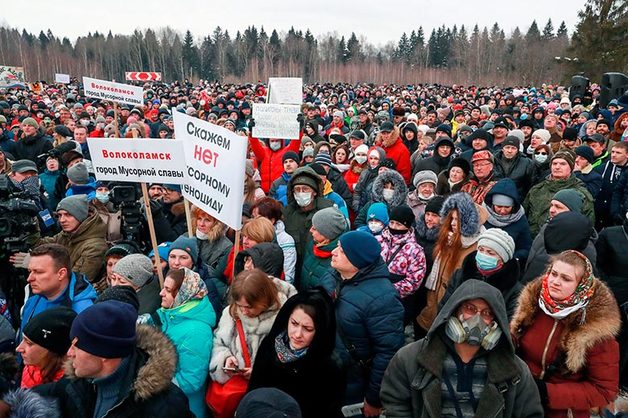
[[108, 212], [25, 179], [83, 234], [169, 217]]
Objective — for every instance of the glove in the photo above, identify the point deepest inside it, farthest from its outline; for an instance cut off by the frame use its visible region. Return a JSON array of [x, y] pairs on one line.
[[20, 260], [301, 120], [542, 387], [155, 207], [251, 123]]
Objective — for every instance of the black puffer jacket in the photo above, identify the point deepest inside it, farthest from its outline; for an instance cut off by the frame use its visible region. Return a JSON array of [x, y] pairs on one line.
[[612, 260], [266, 256], [30, 147], [520, 170]]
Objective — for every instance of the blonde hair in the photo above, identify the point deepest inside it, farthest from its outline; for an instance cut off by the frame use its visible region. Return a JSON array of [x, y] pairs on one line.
[[259, 230]]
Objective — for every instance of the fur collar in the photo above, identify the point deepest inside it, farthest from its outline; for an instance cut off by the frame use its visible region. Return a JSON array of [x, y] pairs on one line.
[[178, 209], [602, 322], [156, 373], [392, 138]]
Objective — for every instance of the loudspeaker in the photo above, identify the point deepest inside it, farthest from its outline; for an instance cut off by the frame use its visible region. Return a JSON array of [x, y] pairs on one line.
[[579, 85], [612, 86]]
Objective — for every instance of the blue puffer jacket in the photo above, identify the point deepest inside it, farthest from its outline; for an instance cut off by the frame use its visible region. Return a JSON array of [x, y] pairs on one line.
[[516, 224], [279, 188], [369, 317]]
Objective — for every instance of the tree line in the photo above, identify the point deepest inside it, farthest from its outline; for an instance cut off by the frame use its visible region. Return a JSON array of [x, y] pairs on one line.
[[457, 54]]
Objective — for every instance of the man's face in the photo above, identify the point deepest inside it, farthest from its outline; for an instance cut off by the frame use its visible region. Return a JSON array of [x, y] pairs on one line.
[[500, 132], [598, 148], [432, 220], [80, 134], [557, 207], [20, 177], [482, 169], [29, 130], [171, 196], [444, 151], [475, 113], [560, 169], [290, 165], [340, 262], [549, 123], [602, 129], [619, 156], [44, 278], [431, 118], [510, 151], [85, 364], [527, 131], [472, 307], [155, 191]]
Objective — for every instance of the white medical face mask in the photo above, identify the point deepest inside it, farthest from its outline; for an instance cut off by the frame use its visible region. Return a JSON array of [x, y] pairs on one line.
[[541, 158], [388, 194], [201, 235], [375, 226], [275, 146], [360, 159], [303, 199]]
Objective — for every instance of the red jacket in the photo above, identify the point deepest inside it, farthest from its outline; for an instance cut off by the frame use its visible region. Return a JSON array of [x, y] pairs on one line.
[[581, 364], [352, 175], [270, 162], [401, 156], [31, 377]]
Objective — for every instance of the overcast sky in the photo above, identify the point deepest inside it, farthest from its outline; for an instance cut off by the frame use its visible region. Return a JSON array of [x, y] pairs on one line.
[[379, 21]]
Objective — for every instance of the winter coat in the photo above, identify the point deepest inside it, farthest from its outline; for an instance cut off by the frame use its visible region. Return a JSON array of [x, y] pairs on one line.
[[189, 327], [506, 280], [396, 151], [340, 186], [148, 296], [48, 180], [170, 221], [330, 194], [563, 232], [516, 224], [479, 188], [399, 197], [286, 242], [405, 260], [266, 256], [520, 170], [416, 203], [611, 175], [591, 179], [577, 357], [279, 188], [619, 201], [78, 295], [87, 246], [362, 189], [315, 381], [612, 248], [145, 390], [297, 221], [412, 144], [213, 250], [436, 163], [270, 162], [227, 342], [88, 189], [443, 188], [30, 147], [369, 317], [352, 175], [537, 202], [426, 238], [316, 265], [412, 385]]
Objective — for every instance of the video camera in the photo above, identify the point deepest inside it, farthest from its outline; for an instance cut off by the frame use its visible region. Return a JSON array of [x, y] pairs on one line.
[[18, 219], [125, 199]]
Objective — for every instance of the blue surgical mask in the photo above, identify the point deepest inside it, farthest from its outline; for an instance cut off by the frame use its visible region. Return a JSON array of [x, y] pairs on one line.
[[103, 197], [486, 262]]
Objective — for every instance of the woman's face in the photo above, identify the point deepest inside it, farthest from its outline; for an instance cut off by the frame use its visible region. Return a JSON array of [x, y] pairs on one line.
[[248, 242], [301, 329], [373, 159], [167, 297], [32, 354], [341, 156], [52, 164], [563, 280], [204, 223], [535, 141], [111, 263], [117, 280], [324, 149], [591, 129], [454, 221], [456, 174], [178, 259], [247, 309]]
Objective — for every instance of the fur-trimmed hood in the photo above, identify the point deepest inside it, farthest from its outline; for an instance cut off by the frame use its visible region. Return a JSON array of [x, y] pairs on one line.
[[399, 184], [468, 213], [156, 372], [602, 322], [392, 138]]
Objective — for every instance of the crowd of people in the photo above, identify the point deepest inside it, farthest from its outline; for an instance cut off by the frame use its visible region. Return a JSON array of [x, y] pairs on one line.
[[419, 250]]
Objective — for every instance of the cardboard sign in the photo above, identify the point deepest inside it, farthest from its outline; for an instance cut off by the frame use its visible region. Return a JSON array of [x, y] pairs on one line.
[[276, 121], [12, 77], [138, 160], [117, 92], [62, 78], [215, 168], [285, 90]]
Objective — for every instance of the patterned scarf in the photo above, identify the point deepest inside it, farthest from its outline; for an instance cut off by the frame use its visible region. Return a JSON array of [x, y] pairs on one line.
[[192, 288], [285, 353], [579, 299]]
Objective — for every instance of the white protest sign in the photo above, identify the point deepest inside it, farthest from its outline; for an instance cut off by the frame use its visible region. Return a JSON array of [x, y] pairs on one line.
[[138, 160], [276, 121], [215, 163], [117, 92], [285, 90], [62, 78]]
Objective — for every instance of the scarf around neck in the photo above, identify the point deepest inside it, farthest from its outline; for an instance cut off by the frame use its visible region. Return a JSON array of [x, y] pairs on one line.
[[285, 353], [501, 221]]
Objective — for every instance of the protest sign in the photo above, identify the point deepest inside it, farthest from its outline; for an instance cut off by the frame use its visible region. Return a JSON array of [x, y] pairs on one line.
[[285, 90], [138, 160], [276, 121], [215, 163], [62, 78], [117, 92], [12, 77]]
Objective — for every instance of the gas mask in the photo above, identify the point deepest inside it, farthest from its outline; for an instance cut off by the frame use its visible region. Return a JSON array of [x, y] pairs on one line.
[[473, 331]]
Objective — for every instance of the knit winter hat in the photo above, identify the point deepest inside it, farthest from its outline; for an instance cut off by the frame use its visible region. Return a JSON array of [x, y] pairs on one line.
[[106, 329], [566, 155], [503, 200], [186, 244], [570, 134], [402, 214], [585, 152], [122, 249], [75, 205], [124, 294], [323, 158], [435, 204], [461, 163], [361, 248], [290, 155], [543, 134], [78, 174], [571, 198], [268, 403], [362, 148], [424, 176], [330, 222], [306, 140], [163, 250], [378, 212], [308, 152], [511, 140], [499, 241], [136, 268], [51, 329], [30, 122]]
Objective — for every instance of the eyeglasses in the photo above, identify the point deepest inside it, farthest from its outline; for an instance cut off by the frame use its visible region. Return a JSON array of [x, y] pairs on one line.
[[469, 309]]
